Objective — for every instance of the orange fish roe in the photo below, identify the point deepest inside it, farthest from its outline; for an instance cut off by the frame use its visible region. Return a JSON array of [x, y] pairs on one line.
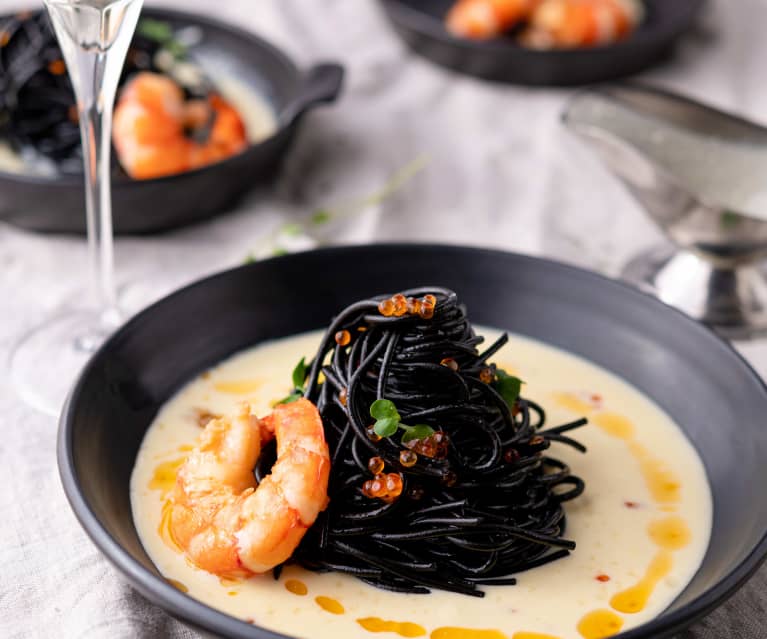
[[427, 310], [450, 363], [343, 338], [376, 465], [372, 434], [5, 38], [385, 487], [57, 67], [435, 446], [487, 375], [343, 396], [400, 305], [386, 308], [408, 458]]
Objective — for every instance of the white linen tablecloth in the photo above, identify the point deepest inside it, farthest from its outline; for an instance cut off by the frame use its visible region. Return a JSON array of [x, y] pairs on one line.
[[500, 172]]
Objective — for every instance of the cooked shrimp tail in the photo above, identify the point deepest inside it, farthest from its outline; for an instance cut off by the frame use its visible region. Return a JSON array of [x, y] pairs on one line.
[[484, 19], [155, 128], [222, 520]]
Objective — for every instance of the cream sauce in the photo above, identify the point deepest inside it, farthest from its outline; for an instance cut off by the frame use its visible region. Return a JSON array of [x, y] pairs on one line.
[[642, 526]]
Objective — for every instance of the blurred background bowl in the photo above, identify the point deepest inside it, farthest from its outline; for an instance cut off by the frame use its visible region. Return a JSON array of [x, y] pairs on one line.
[[420, 23], [57, 203]]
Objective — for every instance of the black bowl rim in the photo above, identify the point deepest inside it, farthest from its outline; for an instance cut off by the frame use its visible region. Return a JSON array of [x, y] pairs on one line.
[[203, 616], [195, 19], [426, 25]]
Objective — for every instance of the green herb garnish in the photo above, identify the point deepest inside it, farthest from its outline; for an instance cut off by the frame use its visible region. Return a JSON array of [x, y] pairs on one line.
[[299, 380], [161, 33], [388, 422], [507, 386]]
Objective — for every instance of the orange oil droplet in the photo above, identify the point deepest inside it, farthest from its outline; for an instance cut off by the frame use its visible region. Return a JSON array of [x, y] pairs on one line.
[[228, 582], [241, 387], [635, 598], [177, 585], [232, 593], [164, 529], [296, 587], [332, 606], [615, 425], [164, 477], [571, 402], [448, 632], [662, 481], [599, 624], [402, 628], [670, 533]]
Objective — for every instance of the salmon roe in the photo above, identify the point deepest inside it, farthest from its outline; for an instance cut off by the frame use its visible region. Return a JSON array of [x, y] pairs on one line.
[[386, 308], [408, 458], [376, 465], [343, 338], [450, 363], [387, 487], [372, 434], [487, 375], [398, 305]]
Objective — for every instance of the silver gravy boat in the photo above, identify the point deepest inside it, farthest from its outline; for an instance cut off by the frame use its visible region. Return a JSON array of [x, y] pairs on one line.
[[701, 174]]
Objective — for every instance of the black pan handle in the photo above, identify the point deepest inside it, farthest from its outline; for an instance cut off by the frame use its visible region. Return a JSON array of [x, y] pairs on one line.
[[321, 84]]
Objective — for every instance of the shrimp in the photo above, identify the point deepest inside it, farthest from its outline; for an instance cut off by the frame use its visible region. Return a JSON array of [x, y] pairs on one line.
[[484, 19], [224, 521], [151, 124], [581, 23]]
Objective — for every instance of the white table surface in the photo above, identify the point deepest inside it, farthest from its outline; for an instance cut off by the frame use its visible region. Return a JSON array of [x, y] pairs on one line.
[[501, 173]]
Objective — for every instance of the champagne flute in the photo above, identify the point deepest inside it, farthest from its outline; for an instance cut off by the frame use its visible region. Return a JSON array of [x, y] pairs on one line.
[[94, 36]]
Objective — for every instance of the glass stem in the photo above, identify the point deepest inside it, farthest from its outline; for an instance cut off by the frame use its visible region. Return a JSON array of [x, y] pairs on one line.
[[95, 126], [94, 36]]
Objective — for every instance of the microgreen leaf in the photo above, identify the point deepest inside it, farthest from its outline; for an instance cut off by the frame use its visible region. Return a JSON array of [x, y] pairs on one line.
[[419, 431], [321, 216], [155, 30], [292, 229], [293, 397], [507, 386], [386, 427], [383, 409], [299, 373]]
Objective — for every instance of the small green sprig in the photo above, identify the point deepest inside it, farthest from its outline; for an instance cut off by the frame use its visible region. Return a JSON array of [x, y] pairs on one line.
[[299, 380], [507, 386], [388, 422], [162, 33]]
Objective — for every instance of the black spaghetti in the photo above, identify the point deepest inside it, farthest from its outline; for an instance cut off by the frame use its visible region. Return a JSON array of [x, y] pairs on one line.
[[459, 492]]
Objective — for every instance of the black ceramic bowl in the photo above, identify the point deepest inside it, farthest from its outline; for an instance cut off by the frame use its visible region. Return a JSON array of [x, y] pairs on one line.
[[57, 204], [420, 23], [695, 376]]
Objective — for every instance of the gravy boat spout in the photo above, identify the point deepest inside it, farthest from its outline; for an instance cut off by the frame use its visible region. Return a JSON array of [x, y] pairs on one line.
[[701, 175]]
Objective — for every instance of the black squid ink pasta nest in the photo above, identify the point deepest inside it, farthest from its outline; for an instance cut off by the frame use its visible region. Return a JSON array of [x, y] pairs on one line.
[[440, 476]]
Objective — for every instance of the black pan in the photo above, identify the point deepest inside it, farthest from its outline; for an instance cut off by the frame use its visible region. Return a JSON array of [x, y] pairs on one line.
[[58, 205], [696, 377], [420, 24]]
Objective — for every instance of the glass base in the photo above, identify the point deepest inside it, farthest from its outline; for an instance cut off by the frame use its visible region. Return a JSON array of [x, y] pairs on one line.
[[45, 362]]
